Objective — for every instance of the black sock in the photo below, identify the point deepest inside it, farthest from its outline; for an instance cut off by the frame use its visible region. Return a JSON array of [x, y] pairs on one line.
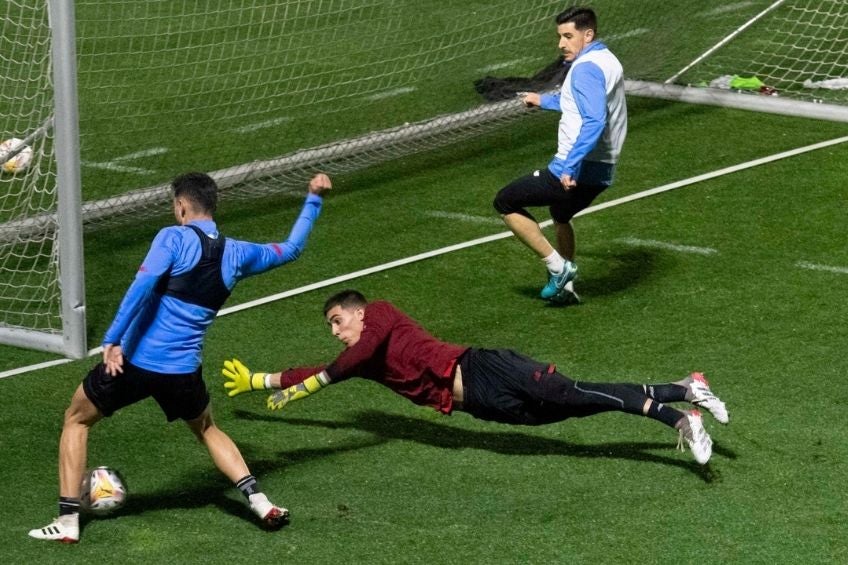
[[247, 485], [668, 392], [68, 505], [665, 414]]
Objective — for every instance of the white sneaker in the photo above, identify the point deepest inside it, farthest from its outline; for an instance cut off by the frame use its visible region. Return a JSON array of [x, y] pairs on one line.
[[704, 398], [273, 517], [63, 529], [698, 439]]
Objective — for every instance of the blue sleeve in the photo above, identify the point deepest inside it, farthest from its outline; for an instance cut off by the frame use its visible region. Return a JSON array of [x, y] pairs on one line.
[[550, 102], [588, 86], [257, 258], [158, 260]]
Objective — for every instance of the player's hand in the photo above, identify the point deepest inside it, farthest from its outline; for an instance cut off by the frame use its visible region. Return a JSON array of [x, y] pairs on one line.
[[283, 396], [320, 184], [240, 378], [279, 399], [567, 182], [530, 98], [113, 359], [309, 386]]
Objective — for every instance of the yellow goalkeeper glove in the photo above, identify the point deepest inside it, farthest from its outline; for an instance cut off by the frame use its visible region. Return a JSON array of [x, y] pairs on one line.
[[295, 392], [241, 379]]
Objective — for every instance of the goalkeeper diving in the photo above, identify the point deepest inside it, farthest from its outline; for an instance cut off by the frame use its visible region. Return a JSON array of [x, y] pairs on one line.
[[385, 345]]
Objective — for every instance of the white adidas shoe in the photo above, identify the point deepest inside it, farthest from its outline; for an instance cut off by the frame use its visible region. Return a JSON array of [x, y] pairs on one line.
[[64, 529], [273, 517], [704, 398], [698, 439]]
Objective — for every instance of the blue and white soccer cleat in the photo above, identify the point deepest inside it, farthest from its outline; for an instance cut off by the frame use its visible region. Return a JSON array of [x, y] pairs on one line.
[[567, 296], [557, 282]]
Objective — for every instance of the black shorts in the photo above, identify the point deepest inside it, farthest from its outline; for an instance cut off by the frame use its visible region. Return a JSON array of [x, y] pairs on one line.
[[505, 386], [542, 188], [181, 395]]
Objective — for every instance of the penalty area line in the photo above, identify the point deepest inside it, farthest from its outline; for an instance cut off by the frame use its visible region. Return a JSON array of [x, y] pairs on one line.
[[478, 241]]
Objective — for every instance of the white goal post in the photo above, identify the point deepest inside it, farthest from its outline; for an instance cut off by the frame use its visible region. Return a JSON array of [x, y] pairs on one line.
[[42, 290]]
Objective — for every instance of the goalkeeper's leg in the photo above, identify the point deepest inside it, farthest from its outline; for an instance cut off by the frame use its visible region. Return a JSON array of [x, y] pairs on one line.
[[227, 457]]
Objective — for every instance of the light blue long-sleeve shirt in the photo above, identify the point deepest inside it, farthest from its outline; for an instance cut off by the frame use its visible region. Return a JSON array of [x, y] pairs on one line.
[[594, 116], [164, 334]]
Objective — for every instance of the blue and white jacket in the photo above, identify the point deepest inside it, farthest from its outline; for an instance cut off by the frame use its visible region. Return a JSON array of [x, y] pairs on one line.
[[594, 116]]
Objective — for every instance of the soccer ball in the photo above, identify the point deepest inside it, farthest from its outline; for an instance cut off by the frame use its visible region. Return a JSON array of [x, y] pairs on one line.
[[19, 162], [103, 491]]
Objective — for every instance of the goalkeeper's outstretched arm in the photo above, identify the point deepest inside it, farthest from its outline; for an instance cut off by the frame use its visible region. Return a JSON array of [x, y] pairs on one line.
[[241, 379]]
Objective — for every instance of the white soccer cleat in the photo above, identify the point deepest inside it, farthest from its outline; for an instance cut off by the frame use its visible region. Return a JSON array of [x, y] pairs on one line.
[[273, 517], [64, 529], [697, 437], [704, 398]]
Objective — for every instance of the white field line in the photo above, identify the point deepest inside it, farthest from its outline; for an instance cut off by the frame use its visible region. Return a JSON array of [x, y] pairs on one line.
[[725, 9], [505, 64], [654, 244], [468, 218], [625, 35], [826, 268], [118, 168], [391, 93], [143, 153], [250, 128], [472, 243], [115, 164]]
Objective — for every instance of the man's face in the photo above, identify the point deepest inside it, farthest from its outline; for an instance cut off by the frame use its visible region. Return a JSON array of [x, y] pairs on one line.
[[346, 324], [572, 40]]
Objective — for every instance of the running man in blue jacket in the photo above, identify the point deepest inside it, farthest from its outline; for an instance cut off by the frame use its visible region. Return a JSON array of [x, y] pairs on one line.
[[154, 345], [591, 132]]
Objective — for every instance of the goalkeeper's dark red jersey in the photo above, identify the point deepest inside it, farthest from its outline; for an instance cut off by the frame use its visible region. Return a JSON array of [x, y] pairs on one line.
[[395, 351]]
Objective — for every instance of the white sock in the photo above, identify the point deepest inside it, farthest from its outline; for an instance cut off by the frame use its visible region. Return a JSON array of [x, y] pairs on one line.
[[555, 263]]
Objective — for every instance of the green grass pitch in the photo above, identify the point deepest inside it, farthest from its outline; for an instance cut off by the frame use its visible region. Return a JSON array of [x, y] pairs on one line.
[[371, 478]]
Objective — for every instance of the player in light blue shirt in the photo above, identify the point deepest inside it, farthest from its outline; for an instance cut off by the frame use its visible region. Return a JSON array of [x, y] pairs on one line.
[[153, 347], [591, 133]]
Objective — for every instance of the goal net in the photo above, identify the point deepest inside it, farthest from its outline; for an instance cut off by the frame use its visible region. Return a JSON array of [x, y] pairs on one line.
[[262, 93], [30, 301]]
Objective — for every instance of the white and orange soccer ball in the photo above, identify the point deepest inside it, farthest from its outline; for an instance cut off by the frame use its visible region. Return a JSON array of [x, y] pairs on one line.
[[103, 491], [21, 161]]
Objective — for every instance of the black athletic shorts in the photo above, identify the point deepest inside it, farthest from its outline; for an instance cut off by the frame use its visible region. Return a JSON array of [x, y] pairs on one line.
[[181, 395], [505, 386], [542, 188]]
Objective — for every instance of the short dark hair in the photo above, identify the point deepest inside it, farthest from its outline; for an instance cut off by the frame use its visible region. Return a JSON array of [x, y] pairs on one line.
[[582, 18], [199, 188], [346, 299]]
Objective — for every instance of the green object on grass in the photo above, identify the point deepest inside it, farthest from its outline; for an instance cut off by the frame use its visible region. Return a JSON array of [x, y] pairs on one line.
[[746, 83]]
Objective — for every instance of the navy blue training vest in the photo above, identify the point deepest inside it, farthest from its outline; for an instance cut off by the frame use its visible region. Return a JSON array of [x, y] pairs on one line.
[[204, 284]]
